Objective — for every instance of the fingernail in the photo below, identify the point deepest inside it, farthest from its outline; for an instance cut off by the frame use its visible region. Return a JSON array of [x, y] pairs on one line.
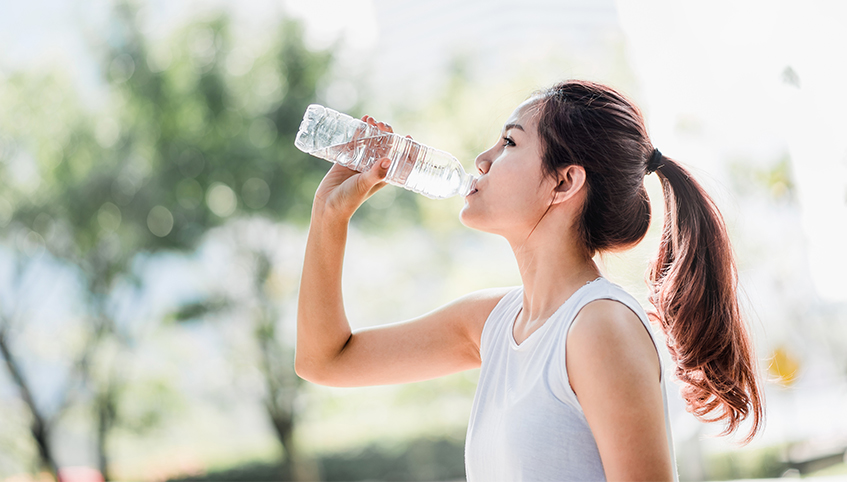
[[385, 163]]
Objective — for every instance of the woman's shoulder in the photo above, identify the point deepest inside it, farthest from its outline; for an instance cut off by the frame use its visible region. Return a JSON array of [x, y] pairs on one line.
[[604, 293], [615, 324], [490, 295], [607, 304], [474, 309], [482, 302], [603, 314]]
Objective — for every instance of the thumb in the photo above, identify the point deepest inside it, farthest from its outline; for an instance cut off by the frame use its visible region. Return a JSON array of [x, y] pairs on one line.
[[375, 175], [378, 172]]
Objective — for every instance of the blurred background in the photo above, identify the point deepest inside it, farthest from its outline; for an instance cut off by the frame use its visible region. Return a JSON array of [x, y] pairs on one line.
[[153, 212]]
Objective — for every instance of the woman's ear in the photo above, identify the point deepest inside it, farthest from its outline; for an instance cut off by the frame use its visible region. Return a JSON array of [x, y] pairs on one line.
[[571, 182]]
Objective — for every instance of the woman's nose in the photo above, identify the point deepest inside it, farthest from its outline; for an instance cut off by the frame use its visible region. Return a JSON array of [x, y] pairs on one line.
[[482, 163]]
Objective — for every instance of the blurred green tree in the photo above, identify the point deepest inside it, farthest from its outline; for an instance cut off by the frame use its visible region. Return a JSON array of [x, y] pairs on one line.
[[196, 132], [257, 309]]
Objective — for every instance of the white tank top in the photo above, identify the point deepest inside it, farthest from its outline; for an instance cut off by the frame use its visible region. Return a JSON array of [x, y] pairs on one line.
[[526, 423]]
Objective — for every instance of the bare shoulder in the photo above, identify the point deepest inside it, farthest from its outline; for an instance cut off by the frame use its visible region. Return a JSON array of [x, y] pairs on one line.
[[474, 308], [609, 333], [486, 297], [614, 370], [606, 318], [479, 304]]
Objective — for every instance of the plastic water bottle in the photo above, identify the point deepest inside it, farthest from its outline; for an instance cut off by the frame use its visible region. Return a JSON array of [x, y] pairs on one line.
[[339, 138]]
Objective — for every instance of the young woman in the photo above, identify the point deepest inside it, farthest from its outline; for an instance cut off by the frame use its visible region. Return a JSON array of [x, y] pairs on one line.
[[571, 384]]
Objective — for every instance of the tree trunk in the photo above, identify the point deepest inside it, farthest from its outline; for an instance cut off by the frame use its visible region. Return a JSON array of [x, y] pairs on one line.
[[39, 428], [105, 407], [297, 467]]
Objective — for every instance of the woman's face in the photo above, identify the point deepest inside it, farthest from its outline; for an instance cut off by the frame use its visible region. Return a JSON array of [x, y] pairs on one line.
[[512, 192]]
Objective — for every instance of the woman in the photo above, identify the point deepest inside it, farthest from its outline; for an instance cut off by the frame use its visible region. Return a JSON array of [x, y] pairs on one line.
[[571, 384]]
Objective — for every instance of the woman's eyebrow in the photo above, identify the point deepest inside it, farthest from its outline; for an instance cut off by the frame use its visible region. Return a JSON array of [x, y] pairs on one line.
[[512, 126]]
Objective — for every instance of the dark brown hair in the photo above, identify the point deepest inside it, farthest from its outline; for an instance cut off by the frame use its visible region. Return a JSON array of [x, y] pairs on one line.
[[693, 279]]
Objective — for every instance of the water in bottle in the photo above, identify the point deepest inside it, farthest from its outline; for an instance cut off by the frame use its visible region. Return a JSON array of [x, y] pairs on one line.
[[339, 138]]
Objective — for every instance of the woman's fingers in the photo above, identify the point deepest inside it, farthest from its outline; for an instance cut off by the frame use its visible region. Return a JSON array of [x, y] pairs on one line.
[[379, 125], [343, 190]]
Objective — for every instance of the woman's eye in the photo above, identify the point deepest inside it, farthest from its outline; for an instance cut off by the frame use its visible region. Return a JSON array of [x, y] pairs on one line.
[[508, 141]]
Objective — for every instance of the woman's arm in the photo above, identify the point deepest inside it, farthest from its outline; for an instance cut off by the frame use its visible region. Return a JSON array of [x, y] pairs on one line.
[[614, 370], [328, 352]]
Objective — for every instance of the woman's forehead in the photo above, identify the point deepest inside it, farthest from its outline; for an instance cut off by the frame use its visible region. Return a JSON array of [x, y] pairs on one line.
[[525, 114]]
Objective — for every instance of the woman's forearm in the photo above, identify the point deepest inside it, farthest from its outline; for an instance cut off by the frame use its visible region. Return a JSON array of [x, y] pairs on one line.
[[322, 327]]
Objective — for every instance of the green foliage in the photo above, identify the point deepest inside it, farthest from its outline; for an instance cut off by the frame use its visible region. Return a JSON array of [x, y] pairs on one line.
[[417, 460], [772, 182], [749, 464], [422, 459], [146, 403], [833, 470], [193, 133], [218, 145], [180, 149], [196, 311]]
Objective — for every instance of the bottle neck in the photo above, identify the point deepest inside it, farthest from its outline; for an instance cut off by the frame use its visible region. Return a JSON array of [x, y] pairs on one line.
[[468, 185]]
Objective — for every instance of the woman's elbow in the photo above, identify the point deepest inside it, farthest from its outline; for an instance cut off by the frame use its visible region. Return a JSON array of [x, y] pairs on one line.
[[304, 369], [312, 372]]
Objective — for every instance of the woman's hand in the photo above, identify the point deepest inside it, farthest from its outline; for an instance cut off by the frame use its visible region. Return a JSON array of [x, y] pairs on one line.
[[343, 190]]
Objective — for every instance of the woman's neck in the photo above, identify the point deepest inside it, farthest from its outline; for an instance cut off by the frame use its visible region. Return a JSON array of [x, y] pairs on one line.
[[552, 268]]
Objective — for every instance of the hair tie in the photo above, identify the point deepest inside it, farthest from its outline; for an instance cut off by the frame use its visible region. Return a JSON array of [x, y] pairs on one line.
[[654, 162]]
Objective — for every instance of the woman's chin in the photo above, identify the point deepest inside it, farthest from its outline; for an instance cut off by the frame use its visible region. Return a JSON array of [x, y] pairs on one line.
[[471, 220], [466, 218]]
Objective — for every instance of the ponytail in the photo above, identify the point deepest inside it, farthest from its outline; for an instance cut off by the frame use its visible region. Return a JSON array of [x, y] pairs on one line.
[[693, 283], [693, 280]]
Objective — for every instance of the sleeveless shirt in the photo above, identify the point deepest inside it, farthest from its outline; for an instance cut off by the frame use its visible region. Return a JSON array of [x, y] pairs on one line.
[[526, 423]]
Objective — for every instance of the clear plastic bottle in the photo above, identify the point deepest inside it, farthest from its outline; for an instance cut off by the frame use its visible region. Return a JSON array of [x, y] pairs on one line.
[[339, 138]]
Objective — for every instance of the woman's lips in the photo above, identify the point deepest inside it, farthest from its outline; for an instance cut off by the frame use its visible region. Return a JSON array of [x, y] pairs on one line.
[[474, 188]]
